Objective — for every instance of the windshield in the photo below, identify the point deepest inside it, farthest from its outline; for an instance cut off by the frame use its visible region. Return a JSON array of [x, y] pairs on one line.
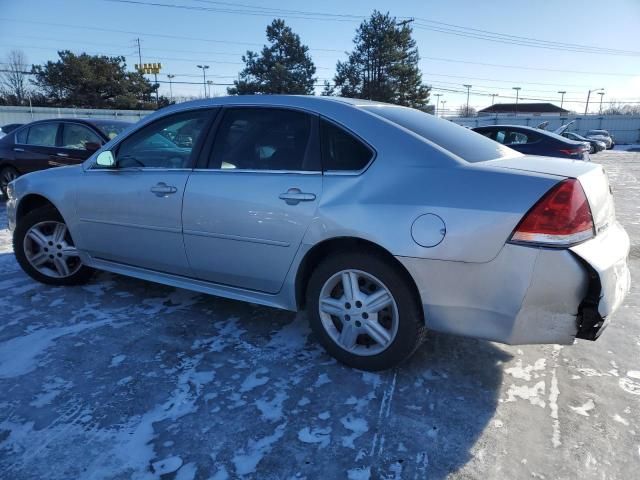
[[462, 142]]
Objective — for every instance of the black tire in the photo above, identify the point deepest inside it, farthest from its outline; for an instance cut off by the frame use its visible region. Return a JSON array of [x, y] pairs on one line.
[[44, 214], [6, 173], [411, 330]]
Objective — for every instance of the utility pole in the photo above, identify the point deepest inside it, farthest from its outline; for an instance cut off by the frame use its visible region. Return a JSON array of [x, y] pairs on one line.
[[437, 101], [586, 107], [170, 77], [442, 103], [139, 51], [601, 95], [466, 113], [209, 83], [204, 77], [517, 89], [562, 92], [493, 96]]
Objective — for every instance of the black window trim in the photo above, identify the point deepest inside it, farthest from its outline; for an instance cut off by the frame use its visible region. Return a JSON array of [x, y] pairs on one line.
[[352, 173], [312, 149]]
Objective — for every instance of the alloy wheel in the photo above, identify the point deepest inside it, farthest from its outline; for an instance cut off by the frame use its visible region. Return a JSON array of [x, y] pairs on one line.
[[50, 250], [358, 312], [8, 176]]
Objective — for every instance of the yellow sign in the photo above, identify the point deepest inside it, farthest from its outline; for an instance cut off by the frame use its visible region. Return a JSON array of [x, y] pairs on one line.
[[148, 68]]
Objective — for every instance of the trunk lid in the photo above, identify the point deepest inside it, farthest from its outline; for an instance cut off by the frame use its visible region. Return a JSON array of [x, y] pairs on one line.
[[592, 177]]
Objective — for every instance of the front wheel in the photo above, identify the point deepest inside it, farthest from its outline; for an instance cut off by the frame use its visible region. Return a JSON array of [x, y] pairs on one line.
[[363, 310], [45, 250]]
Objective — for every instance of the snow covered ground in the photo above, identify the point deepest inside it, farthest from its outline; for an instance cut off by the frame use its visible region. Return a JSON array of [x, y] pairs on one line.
[[130, 380], [632, 147]]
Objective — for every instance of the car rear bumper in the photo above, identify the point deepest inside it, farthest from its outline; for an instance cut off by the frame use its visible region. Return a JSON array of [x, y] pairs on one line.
[[527, 295]]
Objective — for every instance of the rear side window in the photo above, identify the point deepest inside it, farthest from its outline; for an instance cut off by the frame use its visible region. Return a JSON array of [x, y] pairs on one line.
[[263, 139], [341, 151], [43, 134], [462, 142]]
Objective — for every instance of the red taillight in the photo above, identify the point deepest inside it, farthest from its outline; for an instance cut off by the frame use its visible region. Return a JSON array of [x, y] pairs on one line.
[[561, 217], [573, 151]]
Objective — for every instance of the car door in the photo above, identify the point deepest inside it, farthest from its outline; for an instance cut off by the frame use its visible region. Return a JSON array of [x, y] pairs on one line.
[[74, 139], [246, 212], [132, 214], [35, 147]]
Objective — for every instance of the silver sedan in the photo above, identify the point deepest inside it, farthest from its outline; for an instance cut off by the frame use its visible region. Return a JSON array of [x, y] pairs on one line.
[[381, 221]]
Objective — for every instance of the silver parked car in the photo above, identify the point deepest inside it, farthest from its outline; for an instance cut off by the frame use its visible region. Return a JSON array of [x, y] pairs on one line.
[[602, 136], [381, 221]]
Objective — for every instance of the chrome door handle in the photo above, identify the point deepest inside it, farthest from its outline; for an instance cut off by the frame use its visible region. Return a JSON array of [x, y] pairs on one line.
[[64, 155], [162, 189], [17, 149], [293, 196]]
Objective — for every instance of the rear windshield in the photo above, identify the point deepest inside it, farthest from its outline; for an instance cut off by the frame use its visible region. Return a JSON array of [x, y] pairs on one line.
[[460, 141]]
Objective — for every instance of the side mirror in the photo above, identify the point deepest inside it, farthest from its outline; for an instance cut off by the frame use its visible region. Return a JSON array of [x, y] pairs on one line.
[[92, 146], [106, 160]]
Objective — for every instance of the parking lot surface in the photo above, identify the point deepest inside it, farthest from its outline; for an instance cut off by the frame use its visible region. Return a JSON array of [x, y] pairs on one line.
[[127, 379]]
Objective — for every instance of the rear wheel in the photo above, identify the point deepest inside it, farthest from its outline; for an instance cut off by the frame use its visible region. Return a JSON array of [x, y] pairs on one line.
[[364, 312], [45, 250], [7, 175]]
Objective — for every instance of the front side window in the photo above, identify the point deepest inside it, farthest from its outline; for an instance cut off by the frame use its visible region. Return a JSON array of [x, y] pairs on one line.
[[76, 136], [166, 143], [262, 139], [341, 150], [43, 134]]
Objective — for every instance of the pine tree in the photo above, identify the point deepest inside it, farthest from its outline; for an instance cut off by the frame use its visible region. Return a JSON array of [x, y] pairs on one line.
[[383, 65], [282, 67]]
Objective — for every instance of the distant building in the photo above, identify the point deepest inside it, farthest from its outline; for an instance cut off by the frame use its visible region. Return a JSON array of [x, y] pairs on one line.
[[535, 109]]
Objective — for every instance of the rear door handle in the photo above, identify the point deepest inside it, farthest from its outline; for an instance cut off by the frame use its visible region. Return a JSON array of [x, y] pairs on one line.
[[293, 196], [18, 149], [162, 189]]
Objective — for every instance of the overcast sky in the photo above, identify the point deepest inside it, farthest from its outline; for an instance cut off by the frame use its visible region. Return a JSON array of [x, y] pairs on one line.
[[216, 33]]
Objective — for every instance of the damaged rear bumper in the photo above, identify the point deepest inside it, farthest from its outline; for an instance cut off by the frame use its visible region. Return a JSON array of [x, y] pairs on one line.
[[527, 295], [605, 259]]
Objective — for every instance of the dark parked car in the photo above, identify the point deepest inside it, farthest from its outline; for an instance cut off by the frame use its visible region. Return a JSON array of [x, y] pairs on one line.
[[52, 143], [533, 141], [596, 145]]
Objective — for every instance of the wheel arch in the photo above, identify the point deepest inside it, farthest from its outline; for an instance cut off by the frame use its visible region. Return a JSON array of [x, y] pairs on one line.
[[31, 202], [323, 249]]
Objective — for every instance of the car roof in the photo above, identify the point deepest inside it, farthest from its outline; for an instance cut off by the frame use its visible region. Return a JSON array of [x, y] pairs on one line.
[[86, 121], [311, 102]]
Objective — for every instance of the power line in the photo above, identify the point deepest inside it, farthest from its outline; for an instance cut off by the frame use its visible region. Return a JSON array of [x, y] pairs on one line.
[[149, 34], [498, 65], [440, 27]]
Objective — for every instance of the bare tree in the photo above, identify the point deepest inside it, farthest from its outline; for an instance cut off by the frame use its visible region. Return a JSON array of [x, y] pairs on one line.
[[464, 111], [13, 78], [619, 108]]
